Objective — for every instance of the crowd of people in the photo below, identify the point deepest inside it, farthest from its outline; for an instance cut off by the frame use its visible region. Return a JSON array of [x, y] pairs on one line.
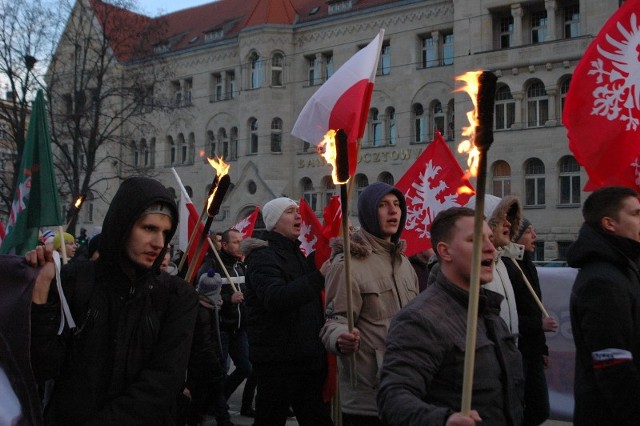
[[148, 348]]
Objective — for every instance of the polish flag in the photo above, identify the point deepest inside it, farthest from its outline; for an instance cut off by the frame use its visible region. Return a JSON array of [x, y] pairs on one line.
[[188, 224], [246, 225], [602, 107], [342, 102], [431, 185]]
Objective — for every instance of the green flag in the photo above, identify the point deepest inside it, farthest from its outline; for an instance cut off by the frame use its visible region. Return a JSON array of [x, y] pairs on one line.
[[35, 203]]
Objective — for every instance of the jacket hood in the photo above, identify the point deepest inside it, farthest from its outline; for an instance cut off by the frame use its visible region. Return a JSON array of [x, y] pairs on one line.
[[594, 244], [133, 197], [497, 208], [248, 245], [368, 202]]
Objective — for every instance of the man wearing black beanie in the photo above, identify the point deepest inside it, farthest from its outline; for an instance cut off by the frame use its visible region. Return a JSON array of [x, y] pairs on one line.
[[383, 281]]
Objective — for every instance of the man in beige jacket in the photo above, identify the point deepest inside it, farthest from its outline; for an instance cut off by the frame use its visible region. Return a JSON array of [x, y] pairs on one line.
[[383, 281]]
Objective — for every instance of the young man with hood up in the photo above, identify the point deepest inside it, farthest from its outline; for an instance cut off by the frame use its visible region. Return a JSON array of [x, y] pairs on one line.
[[125, 361], [284, 317], [383, 281]]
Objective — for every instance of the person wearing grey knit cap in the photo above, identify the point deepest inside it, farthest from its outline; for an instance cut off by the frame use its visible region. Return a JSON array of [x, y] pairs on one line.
[[383, 281]]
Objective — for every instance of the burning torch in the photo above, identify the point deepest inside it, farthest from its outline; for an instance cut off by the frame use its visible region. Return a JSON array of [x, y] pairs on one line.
[[334, 148], [481, 86]]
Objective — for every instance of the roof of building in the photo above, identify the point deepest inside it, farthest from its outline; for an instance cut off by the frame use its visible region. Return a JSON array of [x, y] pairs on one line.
[[219, 20]]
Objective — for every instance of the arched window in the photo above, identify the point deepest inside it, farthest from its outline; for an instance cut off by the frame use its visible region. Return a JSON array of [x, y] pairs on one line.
[[361, 183], [255, 65], [277, 62], [392, 128], [564, 89], [253, 135], [151, 152], [386, 177], [135, 154], [534, 182], [191, 151], [276, 135], [451, 121], [375, 127], [224, 143], [537, 105], [505, 108], [569, 181], [233, 143], [171, 159], [419, 134], [182, 149], [309, 193], [501, 178], [329, 189], [211, 142], [437, 118]]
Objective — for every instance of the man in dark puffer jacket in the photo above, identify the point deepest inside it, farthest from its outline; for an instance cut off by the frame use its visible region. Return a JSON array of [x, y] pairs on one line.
[[285, 314], [125, 361]]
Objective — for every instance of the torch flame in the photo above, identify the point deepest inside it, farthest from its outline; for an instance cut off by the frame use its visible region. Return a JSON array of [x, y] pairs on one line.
[[221, 169], [327, 149], [78, 202], [467, 146]]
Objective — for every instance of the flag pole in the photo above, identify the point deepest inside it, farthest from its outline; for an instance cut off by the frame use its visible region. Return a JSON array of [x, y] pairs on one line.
[[224, 268], [63, 246], [531, 290], [483, 137]]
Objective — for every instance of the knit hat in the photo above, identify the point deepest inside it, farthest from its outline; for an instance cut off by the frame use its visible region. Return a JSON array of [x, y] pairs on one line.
[[68, 238], [272, 211], [521, 230], [158, 208], [368, 202]]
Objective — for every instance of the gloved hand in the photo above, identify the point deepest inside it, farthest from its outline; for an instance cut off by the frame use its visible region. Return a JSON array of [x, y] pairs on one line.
[[210, 285]]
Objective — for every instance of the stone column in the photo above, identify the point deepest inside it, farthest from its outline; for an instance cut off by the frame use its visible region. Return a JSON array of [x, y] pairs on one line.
[[516, 12], [552, 28]]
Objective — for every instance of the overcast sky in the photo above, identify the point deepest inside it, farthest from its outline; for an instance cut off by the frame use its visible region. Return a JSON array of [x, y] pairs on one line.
[[152, 7]]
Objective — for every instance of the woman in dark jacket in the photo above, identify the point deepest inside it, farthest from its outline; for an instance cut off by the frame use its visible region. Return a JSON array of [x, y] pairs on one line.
[[285, 314], [125, 361]]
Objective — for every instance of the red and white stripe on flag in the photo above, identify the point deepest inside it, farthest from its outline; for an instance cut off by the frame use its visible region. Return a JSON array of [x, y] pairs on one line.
[[433, 183], [342, 102], [190, 221], [602, 108]]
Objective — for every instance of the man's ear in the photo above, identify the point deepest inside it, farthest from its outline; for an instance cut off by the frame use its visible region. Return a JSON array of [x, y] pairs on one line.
[[443, 251], [608, 224]]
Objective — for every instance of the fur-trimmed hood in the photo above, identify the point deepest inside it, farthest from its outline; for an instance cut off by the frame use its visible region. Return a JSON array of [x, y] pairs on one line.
[[497, 208], [250, 244], [362, 244]]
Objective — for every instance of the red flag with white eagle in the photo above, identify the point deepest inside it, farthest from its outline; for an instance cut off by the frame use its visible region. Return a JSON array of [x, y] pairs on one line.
[[332, 217], [310, 230], [602, 107], [246, 225], [433, 183], [342, 102]]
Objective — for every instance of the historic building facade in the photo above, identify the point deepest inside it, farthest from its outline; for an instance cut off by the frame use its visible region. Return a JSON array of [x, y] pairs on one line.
[[242, 71]]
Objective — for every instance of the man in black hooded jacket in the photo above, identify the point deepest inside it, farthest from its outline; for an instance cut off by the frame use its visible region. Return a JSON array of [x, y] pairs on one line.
[[605, 309], [125, 361]]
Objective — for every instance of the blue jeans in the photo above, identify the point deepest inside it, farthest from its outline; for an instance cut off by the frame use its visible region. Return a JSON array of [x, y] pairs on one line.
[[236, 346]]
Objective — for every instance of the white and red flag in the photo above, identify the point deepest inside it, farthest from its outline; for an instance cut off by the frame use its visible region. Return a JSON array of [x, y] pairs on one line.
[[311, 229], [246, 225], [433, 183], [188, 224], [342, 102], [602, 107]]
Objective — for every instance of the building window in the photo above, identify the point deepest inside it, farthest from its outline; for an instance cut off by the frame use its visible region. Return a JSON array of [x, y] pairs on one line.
[[447, 49], [505, 108], [563, 248], [135, 153], [230, 87], [305, 146], [418, 123], [451, 121], [150, 153], [505, 34], [501, 179], [253, 136], [212, 144], [224, 142], [276, 135], [361, 183], [312, 73], [569, 181], [384, 63], [172, 151], [392, 128], [329, 189], [255, 64], [572, 21], [537, 105], [538, 26], [218, 87], [277, 62], [386, 177], [437, 118], [182, 149], [534, 183], [538, 254], [429, 52], [564, 89], [188, 85], [233, 144], [309, 194], [328, 65], [177, 93], [375, 127]]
